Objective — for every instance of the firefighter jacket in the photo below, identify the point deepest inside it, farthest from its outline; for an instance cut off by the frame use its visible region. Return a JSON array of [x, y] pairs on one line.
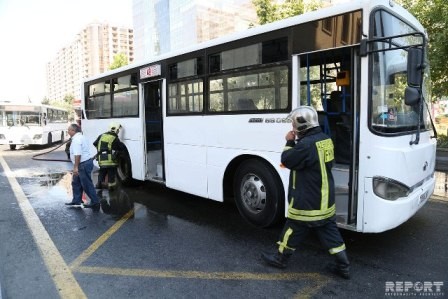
[[107, 145], [311, 185]]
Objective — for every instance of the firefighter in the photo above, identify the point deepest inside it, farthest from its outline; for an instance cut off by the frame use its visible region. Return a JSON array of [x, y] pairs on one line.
[[108, 146], [309, 155]]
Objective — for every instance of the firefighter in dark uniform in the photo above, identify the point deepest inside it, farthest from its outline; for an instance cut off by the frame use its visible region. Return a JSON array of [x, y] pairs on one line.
[[108, 145], [309, 155]]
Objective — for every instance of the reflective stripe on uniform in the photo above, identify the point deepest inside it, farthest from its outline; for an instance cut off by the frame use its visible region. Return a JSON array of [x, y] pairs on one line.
[[293, 179], [108, 139], [337, 249], [310, 215], [326, 154], [283, 244]]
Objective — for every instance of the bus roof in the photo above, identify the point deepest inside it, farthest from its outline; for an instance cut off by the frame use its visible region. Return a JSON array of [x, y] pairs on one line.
[[21, 104], [288, 22]]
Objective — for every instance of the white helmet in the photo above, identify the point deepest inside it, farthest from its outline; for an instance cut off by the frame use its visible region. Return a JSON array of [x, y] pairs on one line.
[[303, 118], [114, 127]]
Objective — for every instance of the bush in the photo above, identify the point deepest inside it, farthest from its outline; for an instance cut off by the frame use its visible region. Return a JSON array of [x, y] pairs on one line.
[[442, 141]]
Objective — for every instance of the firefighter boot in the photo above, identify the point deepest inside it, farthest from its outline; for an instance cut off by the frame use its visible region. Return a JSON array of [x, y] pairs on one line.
[[342, 265], [276, 259]]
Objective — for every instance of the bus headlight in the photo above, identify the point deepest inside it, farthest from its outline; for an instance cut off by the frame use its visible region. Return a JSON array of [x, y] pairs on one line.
[[389, 189], [37, 136]]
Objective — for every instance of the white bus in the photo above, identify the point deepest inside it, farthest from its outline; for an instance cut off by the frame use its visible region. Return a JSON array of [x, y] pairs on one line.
[[211, 120], [25, 124]]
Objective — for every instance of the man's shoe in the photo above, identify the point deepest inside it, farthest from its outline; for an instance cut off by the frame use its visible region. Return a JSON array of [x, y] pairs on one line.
[[73, 204], [277, 259], [342, 266], [95, 206], [341, 271]]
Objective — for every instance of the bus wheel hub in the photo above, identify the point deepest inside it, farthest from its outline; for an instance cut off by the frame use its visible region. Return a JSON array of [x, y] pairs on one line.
[[253, 193]]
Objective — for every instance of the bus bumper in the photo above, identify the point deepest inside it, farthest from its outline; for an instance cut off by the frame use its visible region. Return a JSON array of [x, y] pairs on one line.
[[380, 215]]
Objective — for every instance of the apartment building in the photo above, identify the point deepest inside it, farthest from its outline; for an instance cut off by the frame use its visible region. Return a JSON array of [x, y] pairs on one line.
[[92, 52]]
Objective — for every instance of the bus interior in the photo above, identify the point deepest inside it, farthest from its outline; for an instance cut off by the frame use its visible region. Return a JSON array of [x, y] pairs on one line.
[[153, 127], [327, 83]]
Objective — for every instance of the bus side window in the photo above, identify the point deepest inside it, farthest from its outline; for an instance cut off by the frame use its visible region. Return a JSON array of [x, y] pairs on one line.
[[246, 104]]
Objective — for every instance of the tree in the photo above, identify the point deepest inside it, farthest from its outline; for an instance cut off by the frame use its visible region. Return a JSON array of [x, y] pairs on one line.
[[268, 11], [119, 60], [45, 101], [433, 14], [68, 98]]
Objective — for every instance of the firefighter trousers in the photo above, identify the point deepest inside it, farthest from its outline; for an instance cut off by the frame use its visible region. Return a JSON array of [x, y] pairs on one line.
[[294, 232]]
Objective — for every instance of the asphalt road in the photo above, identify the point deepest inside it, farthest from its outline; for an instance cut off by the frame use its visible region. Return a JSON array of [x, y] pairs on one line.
[[151, 242]]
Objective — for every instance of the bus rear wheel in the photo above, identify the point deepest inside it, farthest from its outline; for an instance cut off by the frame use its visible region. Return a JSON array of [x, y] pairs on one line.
[[124, 169], [258, 193]]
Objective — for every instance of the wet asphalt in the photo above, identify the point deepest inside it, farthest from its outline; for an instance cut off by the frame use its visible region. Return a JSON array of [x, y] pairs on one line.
[[151, 242]]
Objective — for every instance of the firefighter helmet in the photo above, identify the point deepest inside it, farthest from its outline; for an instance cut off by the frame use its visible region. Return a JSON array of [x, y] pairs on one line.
[[114, 127], [303, 118]]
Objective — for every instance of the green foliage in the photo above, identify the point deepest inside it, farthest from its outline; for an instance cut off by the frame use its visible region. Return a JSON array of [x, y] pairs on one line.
[[69, 98], [45, 101], [433, 14], [119, 60], [442, 141], [269, 11]]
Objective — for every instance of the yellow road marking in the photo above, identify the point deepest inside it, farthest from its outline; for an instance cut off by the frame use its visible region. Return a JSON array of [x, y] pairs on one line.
[[319, 280], [76, 266], [198, 274], [69, 288], [100, 241], [63, 278]]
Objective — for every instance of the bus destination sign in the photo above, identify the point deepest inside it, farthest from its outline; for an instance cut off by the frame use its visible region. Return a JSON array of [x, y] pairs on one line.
[[150, 71]]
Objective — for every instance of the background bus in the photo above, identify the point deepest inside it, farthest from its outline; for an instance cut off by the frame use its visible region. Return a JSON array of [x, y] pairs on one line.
[[24, 124], [211, 120]]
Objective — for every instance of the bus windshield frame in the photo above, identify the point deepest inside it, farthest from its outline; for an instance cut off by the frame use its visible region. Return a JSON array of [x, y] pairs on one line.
[[388, 113]]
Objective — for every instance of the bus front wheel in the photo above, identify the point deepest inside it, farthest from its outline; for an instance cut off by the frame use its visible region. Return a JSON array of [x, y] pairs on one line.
[[12, 147], [258, 193], [50, 139]]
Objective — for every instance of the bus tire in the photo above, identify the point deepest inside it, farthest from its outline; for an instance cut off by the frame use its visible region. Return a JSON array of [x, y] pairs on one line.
[[124, 170], [259, 194], [62, 137], [49, 139], [12, 147]]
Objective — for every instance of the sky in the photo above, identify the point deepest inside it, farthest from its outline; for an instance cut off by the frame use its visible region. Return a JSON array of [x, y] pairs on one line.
[[33, 31]]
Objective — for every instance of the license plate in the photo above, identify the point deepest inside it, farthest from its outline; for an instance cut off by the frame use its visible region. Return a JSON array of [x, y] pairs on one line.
[[423, 197]]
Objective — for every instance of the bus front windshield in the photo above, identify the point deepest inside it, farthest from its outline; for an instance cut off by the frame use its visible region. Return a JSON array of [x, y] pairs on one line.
[[388, 112]]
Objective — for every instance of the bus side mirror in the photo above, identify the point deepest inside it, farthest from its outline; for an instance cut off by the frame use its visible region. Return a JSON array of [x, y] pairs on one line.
[[415, 67], [363, 47], [411, 96]]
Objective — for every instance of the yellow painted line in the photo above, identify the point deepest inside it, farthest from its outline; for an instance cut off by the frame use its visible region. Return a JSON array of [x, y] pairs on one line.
[[318, 280], [100, 241], [76, 266], [307, 292], [198, 274], [63, 278]]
